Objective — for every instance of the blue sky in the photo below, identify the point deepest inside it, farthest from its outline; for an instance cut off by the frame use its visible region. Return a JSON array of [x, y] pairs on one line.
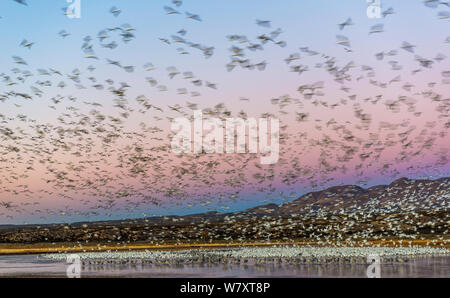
[[311, 23]]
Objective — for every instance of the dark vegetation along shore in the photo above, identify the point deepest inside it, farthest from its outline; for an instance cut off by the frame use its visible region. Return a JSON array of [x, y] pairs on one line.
[[412, 211]]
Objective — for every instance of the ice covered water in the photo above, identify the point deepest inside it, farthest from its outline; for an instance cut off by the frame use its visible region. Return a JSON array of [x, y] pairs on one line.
[[39, 265]]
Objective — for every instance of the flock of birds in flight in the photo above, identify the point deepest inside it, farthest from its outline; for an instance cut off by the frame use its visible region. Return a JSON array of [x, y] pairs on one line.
[[97, 161]]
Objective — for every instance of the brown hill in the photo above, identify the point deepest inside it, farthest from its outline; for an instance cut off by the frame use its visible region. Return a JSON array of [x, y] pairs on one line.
[[401, 195]]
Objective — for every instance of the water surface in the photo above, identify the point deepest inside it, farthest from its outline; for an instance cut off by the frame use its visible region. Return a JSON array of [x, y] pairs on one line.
[[37, 266]]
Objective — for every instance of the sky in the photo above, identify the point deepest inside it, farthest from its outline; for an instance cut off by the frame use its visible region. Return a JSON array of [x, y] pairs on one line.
[[105, 184]]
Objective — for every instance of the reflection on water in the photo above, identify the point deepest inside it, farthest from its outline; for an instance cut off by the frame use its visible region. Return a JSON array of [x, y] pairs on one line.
[[34, 265]]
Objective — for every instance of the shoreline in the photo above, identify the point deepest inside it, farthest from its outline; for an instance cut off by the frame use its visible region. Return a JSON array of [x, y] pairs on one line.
[[49, 248]]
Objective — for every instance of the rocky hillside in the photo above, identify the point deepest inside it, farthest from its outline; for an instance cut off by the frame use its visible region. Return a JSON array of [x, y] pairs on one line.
[[404, 209], [400, 196]]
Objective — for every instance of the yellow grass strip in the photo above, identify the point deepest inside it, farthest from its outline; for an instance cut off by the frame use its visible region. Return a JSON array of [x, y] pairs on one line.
[[40, 248]]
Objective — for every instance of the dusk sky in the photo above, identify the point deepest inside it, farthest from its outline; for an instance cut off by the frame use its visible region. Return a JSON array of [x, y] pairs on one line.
[[79, 151]]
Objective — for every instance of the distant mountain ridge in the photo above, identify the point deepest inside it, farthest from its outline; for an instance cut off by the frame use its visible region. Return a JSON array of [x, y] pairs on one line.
[[404, 209], [401, 195]]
